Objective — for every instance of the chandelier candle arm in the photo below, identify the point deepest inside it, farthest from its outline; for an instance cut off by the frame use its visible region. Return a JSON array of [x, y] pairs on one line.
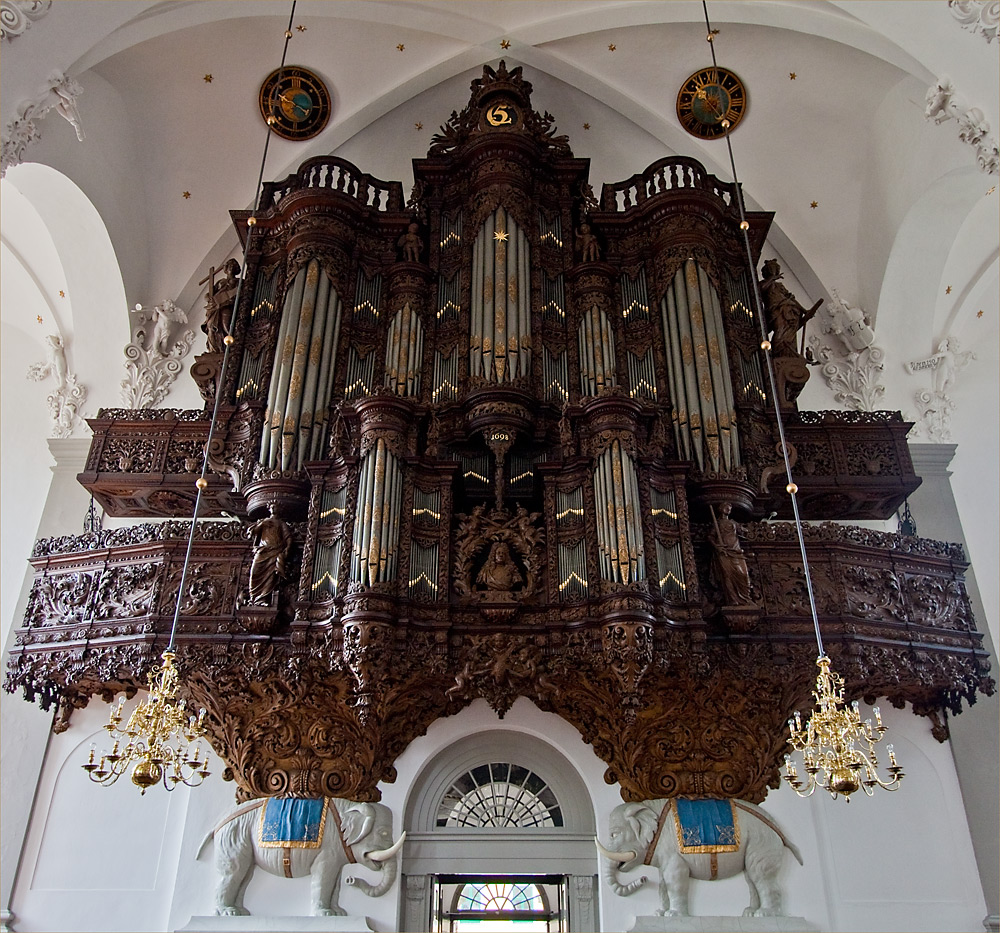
[[830, 757]]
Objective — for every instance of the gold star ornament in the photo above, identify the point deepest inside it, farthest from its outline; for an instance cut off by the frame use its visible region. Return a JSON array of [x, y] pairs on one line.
[[612, 47], [505, 44], [400, 47], [419, 126], [62, 294], [947, 291], [586, 126], [38, 318], [500, 236], [301, 28], [979, 313], [186, 195], [792, 76], [814, 204], [208, 79]]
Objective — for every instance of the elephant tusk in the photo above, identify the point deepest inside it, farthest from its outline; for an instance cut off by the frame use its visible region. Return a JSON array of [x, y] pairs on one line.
[[383, 855], [613, 856]]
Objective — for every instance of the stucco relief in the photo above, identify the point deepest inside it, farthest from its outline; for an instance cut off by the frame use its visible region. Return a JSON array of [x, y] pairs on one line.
[[153, 357], [850, 363], [60, 95], [944, 103], [66, 400]]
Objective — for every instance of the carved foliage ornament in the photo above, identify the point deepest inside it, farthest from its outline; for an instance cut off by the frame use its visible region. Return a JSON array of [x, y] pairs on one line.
[[16, 16], [980, 17]]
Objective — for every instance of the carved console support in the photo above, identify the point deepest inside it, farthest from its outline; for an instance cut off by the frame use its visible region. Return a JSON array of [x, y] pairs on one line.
[[66, 400]]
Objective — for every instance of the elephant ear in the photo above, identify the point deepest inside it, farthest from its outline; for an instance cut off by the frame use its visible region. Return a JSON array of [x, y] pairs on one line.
[[357, 821], [642, 821]]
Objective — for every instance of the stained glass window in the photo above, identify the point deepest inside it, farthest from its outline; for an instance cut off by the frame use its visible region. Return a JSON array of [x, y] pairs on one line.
[[499, 794]]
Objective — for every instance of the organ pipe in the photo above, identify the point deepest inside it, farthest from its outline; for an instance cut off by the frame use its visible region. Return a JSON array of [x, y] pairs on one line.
[[596, 344], [704, 415], [404, 352], [619, 529], [295, 423], [376, 527], [500, 336]]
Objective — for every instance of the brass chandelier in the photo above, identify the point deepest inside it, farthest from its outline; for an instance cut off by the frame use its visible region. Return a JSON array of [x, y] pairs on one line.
[[161, 741], [838, 749]]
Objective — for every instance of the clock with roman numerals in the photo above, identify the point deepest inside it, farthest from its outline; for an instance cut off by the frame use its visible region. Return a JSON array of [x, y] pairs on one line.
[[294, 102], [709, 97]]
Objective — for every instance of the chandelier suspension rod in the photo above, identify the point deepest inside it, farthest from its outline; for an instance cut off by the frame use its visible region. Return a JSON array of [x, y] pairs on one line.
[[791, 487], [202, 481]]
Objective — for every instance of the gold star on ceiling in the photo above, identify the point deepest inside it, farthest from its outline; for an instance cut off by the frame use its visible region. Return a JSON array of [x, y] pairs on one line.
[[505, 44], [38, 318], [947, 291], [301, 28], [814, 204], [186, 195], [62, 294], [400, 47], [586, 126], [994, 188], [612, 47], [208, 79], [500, 236], [979, 313], [419, 126], [792, 76]]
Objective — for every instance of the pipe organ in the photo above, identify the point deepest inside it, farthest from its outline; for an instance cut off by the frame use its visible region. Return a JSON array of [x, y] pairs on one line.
[[500, 466]]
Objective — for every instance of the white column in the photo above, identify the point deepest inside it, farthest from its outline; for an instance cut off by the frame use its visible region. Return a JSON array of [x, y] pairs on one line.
[[974, 739], [24, 728]]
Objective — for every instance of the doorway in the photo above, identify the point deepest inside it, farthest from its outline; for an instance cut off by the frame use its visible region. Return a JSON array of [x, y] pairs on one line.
[[500, 904]]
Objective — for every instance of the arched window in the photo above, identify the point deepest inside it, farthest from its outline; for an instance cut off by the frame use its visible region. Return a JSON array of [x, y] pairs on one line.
[[499, 794]]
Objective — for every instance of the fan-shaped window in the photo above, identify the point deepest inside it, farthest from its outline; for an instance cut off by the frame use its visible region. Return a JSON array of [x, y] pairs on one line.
[[500, 896], [499, 794]]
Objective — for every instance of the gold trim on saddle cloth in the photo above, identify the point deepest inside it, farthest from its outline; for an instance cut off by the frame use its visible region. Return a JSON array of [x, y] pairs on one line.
[[291, 843], [689, 849]]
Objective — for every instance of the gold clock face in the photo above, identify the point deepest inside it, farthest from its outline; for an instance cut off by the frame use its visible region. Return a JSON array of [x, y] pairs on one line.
[[294, 102], [708, 97]]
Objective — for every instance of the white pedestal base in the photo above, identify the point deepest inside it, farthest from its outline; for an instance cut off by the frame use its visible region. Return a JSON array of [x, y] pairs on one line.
[[723, 925], [214, 924]]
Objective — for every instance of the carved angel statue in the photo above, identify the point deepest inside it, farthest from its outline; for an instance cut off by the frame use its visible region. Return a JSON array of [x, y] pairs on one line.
[[938, 98], [55, 366], [949, 364], [164, 317], [410, 244], [586, 243], [63, 92]]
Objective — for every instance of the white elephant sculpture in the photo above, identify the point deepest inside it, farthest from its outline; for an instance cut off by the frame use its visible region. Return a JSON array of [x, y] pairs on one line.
[[360, 832], [649, 833]]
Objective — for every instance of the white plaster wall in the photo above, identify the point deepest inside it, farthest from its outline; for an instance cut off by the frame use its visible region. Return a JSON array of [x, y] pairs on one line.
[[107, 859]]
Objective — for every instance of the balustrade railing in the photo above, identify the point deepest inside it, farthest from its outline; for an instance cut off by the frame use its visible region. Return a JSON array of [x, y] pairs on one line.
[[339, 175], [669, 174]]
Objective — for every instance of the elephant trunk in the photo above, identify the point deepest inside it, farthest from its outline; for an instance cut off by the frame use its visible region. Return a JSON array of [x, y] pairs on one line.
[[388, 879], [610, 873]]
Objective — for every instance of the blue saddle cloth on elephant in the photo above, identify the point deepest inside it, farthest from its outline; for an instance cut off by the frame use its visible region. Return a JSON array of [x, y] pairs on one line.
[[706, 826], [291, 822]]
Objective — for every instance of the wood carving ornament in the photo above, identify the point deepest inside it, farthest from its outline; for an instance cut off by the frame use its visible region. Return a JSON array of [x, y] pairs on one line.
[[489, 549]]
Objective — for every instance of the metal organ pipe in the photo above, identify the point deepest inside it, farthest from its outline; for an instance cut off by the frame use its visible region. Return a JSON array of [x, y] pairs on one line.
[[301, 378], [376, 529], [619, 528], [500, 335], [403, 353]]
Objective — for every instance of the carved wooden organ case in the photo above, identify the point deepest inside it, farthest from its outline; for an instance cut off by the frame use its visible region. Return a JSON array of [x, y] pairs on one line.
[[500, 422]]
